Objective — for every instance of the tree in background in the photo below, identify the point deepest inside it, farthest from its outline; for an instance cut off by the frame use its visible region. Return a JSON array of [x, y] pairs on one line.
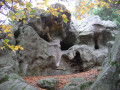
[[15, 10], [106, 9]]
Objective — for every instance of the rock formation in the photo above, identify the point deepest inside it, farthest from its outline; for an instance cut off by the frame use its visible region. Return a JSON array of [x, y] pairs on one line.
[[65, 48]]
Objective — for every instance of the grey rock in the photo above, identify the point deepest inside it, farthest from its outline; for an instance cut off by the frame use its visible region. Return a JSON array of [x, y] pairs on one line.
[[89, 56], [71, 86], [49, 83], [108, 79], [78, 84], [86, 85], [87, 28], [14, 82], [76, 80], [9, 63]]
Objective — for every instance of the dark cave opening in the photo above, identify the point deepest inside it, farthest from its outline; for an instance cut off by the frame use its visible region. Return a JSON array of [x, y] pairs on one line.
[[77, 62], [65, 46], [96, 40]]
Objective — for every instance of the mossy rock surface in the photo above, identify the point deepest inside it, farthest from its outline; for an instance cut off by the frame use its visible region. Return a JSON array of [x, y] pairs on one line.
[[49, 83], [13, 82]]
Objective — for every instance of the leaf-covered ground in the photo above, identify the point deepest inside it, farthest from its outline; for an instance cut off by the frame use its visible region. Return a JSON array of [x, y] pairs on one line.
[[64, 79]]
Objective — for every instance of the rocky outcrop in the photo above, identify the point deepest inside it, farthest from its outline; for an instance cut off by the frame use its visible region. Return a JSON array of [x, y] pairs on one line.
[[86, 56], [78, 84], [109, 77], [52, 47], [92, 28], [13, 82], [9, 63]]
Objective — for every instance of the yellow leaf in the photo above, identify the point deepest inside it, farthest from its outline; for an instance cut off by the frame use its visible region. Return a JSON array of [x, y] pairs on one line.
[[14, 6], [16, 48], [31, 15], [8, 1], [22, 3], [10, 34], [1, 3], [64, 16], [10, 27], [12, 18], [23, 12], [37, 17], [21, 48], [79, 18], [6, 30], [1, 48], [4, 27], [24, 21], [61, 10]]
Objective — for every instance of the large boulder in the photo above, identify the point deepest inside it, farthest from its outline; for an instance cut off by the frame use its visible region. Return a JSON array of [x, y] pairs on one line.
[[78, 84], [39, 57], [9, 63], [109, 77], [92, 27], [42, 53], [13, 82], [86, 56]]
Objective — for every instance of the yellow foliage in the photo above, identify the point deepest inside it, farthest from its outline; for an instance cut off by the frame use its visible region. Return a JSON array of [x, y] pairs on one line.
[[78, 17], [3, 27], [1, 3], [24, 21], [64, 16], [15, 7], [31, 15], [37, 17], [1, 48], [23, 4], [8, 1], [12, 18], [10, 35], [23, 12]]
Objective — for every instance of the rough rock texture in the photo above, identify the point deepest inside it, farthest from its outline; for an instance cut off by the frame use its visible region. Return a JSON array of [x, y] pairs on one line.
[[13, 82], [78, 84], [9, 63], [43, 56], [109, 78], [50, 44], [39, 57], [86, 55], [91, 25], [42, 49], [49, 83]]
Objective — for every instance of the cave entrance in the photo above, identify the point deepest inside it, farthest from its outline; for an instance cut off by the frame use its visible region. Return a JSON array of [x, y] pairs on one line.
[[77, 63], [65, 46]]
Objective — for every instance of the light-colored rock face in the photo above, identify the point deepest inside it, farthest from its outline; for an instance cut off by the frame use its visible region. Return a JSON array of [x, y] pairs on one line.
[[45, 56], [89, 56], [93, 30], [14, 82], [9, 63], [109, 77]]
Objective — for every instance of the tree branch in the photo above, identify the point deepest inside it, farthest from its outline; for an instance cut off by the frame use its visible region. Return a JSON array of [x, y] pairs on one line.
[[9, 6]]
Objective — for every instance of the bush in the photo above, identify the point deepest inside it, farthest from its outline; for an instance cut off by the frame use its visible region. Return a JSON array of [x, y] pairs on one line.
[[108, 14]]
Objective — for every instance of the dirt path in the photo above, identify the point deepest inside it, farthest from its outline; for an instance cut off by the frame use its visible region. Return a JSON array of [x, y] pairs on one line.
[[63, 79]]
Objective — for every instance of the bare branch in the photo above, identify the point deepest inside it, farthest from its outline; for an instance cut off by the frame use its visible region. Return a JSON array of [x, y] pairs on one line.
[[9, 7]]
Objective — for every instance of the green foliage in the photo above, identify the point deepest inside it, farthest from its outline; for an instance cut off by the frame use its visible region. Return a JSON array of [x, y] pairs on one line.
[[108, 14]]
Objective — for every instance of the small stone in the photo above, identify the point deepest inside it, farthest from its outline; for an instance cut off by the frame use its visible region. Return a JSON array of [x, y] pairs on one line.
[[49, 83]]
